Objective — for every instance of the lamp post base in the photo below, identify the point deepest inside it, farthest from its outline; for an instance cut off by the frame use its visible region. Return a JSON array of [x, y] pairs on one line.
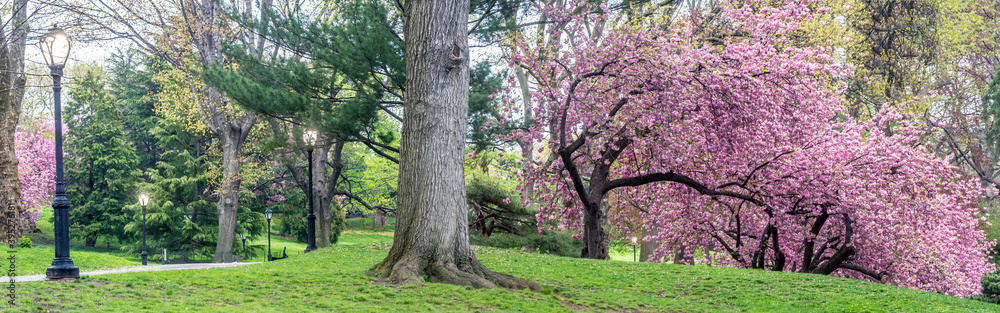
[[309, 249], [62, 268]]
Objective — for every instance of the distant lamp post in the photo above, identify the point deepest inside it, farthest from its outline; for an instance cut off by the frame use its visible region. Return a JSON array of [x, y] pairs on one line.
[[268, 214], [635, 243], [55, 49], [143, 200], [244, 238], [310, 139]]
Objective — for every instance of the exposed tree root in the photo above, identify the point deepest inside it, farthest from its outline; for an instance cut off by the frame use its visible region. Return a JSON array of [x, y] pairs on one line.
[[410, 270]]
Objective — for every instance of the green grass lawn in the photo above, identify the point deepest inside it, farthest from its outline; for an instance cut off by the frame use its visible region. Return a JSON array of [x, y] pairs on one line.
[[32, 261], [296, 248], [331, 279], [277, 244], [357, 238]]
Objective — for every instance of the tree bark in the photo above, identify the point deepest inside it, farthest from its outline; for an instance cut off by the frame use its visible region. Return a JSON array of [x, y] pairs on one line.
[[11, 94], [230, 124], [432, 234], [646, 247], [321, 198], [527, 149], [228, 196]]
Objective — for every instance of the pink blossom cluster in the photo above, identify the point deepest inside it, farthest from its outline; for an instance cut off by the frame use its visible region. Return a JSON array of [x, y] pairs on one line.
[[780, 178], [275, 198], [36, 167]]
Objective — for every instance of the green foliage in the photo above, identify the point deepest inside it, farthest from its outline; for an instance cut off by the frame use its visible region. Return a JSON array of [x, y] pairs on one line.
[[991, 288], [991, 113], [370, 177], [100, 163], [24, 242], [307, 281], [551, 242], [295, 226], [498, 219], [483, 103], [174, 163], [349, 60], [992, 231], [368, 224], [494, 207], [132, 86]]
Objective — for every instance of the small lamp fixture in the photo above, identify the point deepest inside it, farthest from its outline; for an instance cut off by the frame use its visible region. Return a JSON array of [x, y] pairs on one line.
[[143, 199], [635, 242], [268, 214], [55, 47], [310, 137]]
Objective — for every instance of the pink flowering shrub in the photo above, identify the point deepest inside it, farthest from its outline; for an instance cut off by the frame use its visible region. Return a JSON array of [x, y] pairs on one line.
[[35, 150], [730, 143]]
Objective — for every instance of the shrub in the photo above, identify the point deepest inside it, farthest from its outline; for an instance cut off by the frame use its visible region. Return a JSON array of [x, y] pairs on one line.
[[550, 242], [24, 242], [991, 288]]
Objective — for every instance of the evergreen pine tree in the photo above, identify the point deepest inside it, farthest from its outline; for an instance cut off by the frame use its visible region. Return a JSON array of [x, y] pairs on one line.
[[99, 162]]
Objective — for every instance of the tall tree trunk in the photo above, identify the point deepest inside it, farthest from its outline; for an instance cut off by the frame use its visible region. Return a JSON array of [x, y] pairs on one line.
[[432, 234], [228, 196], [646, 248], [527, 149], [11, 93], [321, 198], [595, 238], [224, 120]]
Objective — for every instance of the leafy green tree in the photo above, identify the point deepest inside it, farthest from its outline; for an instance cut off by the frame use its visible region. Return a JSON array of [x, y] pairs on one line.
[[344, 80], [991, 113], [181, 215], [132, 86], [99, 162]]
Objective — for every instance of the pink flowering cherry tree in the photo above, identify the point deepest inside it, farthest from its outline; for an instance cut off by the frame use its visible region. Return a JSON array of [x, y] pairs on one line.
[[729, 139], [36, 166]]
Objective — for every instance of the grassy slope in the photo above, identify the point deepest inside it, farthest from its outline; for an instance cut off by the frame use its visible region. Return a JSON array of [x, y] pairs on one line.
[[36, 260], [295, 248], [360, 235], [332, 279]]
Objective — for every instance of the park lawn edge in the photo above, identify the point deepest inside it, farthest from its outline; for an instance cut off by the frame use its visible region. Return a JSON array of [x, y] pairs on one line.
[[333, 279]]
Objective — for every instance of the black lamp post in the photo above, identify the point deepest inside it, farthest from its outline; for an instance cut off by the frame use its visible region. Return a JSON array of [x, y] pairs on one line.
[[244, 238], [143, 200], [55, 49], [635, 242], [310, 138], [268, 214]]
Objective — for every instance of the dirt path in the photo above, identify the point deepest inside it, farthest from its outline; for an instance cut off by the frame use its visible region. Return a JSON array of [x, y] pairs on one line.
[[152, 268]]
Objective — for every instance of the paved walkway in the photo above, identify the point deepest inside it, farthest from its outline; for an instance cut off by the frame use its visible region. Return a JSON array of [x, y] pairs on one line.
[[171, 267]]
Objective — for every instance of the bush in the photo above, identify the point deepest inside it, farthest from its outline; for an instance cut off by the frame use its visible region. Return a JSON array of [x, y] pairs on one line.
[[991, 288], [24, 242], [495, 207], [550, 242]]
